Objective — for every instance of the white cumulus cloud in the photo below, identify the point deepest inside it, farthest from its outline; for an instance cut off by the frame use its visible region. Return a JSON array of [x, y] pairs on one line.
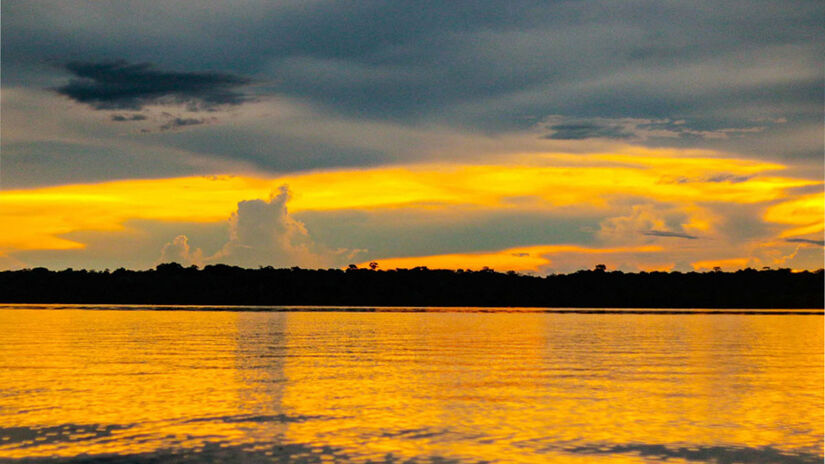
[[262, 233]]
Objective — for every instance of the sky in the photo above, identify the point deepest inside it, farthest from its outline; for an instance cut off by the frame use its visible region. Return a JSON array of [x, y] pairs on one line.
[[541, 137]]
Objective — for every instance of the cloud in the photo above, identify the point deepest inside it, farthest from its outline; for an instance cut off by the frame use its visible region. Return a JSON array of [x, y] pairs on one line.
[[665, 233], [587, 130], [10, 263], [478, 66], [728, 178], [805, 240], [448, 67], [644, 219], [178, 123], [179, 251], [133, 117], [636, 129], [118, 85], [262, 233]]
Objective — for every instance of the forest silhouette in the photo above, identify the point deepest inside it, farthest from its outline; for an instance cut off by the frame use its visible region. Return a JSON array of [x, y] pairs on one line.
[[172, 284]]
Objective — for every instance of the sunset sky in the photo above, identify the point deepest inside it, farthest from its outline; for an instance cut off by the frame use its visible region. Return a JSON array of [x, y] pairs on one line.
[[531, 136]]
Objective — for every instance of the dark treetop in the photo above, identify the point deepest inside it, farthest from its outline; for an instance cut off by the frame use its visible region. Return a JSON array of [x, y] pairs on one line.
[[228, 285]]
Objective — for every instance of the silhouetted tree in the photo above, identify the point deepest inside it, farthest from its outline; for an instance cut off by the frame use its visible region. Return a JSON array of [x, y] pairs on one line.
[[171, 283]]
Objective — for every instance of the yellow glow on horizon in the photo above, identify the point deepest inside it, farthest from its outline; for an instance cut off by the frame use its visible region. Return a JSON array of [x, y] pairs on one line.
[[531, 258], [732, 263], [40, 216]]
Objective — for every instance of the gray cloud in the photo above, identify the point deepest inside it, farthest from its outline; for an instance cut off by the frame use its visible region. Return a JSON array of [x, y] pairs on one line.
[[733, 179], [805, 240], [715, 178], [587, 130], [177, 123], [263, 233], [476, 67], [636, 129], [133, 117], [392, 232], [120, 85], [644, 59], [179, 251], [665, 233], [50, 163]]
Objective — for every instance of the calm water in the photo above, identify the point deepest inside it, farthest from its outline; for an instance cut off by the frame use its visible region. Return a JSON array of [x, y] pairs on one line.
[[180, 386]]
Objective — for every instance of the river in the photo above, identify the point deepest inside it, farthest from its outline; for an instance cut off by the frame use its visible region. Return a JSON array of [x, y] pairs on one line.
[[135, 384]]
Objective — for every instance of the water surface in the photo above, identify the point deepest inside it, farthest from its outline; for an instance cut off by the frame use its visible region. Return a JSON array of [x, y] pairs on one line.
[[464, 387]]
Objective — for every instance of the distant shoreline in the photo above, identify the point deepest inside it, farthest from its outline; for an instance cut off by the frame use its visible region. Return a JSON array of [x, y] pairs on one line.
[[582, 291], [404, 309]]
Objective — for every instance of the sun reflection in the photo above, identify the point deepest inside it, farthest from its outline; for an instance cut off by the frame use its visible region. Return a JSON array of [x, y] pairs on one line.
[[133, 371], [358, 387]]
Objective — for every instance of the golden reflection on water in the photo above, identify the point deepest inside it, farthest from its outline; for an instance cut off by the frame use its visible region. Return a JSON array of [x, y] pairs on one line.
[[466, 387]]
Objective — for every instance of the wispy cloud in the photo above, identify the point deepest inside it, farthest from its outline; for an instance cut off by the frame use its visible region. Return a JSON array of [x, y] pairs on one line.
[[665, 233], [805, 240], [133, 117], [178, 123], [587, 130], [636, 129]]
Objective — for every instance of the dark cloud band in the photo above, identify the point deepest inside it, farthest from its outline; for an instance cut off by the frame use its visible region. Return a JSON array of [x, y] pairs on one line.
[[122, 118], [587, 130], [119, 85], [807, 241], [664, 233], [177, 123]]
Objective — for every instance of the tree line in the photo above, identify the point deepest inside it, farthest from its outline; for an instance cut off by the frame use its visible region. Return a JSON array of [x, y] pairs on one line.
[[172, 283]]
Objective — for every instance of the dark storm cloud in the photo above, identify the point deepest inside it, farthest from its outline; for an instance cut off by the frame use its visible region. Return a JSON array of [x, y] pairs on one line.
[[664, 233], [120, 85], [805, 240], [733, 179], [483, 67], [133, 117], [717, 178], [507, 62], [177, 123], [642, 129], [587, 130]]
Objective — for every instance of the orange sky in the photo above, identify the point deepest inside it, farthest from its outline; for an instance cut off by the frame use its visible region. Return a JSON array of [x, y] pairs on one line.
[[318, 134], [658, 207]]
